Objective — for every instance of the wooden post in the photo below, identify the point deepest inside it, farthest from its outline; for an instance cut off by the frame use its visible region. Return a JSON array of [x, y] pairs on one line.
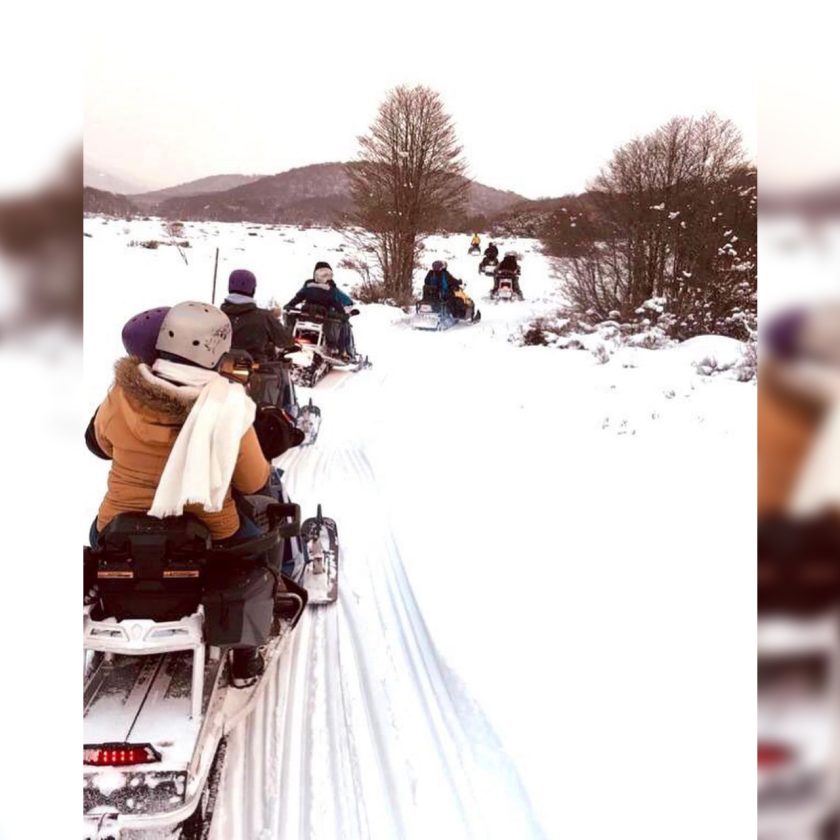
[[215, 271]]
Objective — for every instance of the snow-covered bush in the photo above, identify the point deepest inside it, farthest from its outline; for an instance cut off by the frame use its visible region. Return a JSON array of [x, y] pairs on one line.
[[712, 355], [601, 354], [571, 330], [671, 218]]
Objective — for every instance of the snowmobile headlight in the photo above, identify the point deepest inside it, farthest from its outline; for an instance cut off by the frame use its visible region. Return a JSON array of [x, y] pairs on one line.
[[119, 755]]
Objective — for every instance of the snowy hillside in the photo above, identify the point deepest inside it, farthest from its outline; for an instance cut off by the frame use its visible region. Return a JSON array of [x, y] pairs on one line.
[[486, 496]]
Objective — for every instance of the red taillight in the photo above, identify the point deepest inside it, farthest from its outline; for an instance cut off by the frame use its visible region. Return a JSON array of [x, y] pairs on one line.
[[120, 755], [771, 756]]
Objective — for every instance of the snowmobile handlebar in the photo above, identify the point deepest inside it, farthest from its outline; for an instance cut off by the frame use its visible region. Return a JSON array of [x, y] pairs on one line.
[[240, 367], [279, 528]]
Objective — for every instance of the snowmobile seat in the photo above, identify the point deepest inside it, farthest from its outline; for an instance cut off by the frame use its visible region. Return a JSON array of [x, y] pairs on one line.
[[162, 569], [149, 568], [798, 565]]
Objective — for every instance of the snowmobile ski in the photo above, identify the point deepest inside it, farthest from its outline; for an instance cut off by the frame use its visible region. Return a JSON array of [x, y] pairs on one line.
[[319, 575], [309, 422]]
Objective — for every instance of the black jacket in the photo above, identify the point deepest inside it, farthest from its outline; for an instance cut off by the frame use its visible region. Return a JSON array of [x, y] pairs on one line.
[[256, 330], [509, 264], [492, 252], [319, 295]]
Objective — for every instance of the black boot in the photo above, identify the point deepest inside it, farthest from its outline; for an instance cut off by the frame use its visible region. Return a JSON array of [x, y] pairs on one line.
[[247, 667]]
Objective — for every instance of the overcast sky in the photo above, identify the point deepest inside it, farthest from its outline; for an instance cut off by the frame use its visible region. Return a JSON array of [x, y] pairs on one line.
[[540, 95]]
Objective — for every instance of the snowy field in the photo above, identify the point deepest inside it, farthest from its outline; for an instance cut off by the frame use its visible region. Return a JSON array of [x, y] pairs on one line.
[[499, 507]]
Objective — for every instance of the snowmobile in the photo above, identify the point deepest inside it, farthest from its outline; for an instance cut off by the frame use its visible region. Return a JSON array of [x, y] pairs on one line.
[[474, 250], [164, 609], [433, 312], [488, 266], [505, 288], [312, 328]]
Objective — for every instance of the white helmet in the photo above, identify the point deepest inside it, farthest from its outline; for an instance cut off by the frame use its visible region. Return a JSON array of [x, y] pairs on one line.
[[196, 332]]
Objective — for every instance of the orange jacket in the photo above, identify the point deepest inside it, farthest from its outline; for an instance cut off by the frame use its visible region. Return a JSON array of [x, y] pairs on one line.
[[137, 425], [786, 427]]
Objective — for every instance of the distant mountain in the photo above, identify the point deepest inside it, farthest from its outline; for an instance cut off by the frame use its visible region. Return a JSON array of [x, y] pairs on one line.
[[318, 194], [100, 179], [817, 202], [210, 184], [315, 194], [105, 203], [527, 218], [310, 194]]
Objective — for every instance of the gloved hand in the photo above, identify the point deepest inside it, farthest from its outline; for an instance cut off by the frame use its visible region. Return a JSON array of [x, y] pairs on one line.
[[275, 431]]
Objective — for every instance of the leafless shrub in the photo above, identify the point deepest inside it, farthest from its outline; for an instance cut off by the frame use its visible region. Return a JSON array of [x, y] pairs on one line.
[[672, 216]]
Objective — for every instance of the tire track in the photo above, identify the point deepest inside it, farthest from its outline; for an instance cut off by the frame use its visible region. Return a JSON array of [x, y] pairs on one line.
[[363, 732]]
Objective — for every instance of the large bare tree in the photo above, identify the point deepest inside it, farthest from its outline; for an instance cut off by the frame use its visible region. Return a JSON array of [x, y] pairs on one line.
[[672, 219], [409, 176]]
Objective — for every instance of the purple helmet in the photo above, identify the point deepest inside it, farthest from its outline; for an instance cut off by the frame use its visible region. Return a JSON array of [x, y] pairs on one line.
[[242, 281], [783, 332], [438, 265], [140, 333]]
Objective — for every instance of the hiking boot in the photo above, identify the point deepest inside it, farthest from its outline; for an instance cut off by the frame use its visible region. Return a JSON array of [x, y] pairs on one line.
[[247, 667]]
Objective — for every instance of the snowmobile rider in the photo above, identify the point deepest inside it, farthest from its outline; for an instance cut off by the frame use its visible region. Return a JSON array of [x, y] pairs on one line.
[[437, 281], [449, 289], [322, 291], [257, 331], [180, 436], [491, 255], [350, 309], [475, 242], [508, 267]]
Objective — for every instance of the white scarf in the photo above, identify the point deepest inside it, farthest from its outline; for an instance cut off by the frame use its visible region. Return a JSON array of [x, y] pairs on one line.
[[200, 466]]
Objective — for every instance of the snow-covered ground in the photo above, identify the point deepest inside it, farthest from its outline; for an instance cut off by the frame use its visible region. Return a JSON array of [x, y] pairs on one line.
[[498, 508]]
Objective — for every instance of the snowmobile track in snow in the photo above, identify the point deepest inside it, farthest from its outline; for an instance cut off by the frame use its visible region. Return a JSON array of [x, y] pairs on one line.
[[363, 733]]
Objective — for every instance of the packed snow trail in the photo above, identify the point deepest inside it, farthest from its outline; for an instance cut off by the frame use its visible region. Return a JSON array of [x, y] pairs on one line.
[[364, 732]]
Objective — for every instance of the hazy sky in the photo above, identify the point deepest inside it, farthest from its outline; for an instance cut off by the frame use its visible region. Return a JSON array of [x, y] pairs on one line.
[[541, 95]]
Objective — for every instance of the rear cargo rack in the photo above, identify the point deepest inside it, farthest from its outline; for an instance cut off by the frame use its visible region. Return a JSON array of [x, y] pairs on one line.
[[142, 637]]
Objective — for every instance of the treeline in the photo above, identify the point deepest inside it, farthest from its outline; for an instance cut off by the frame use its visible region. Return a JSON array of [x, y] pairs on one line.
[[668, 231]]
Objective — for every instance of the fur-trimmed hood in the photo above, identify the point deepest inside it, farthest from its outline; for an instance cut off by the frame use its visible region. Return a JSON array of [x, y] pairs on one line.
[[150, 396]]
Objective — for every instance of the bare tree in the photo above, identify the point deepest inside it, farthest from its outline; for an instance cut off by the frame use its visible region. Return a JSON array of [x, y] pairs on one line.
[[672, 219], [410, 174]]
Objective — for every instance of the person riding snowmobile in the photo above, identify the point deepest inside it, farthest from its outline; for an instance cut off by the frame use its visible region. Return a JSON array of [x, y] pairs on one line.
[[508, 267], [440, 284], [180, 436], [260, 334], [491, 255], [321, 291], [475, 243], [350, 309], [256, 331]]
